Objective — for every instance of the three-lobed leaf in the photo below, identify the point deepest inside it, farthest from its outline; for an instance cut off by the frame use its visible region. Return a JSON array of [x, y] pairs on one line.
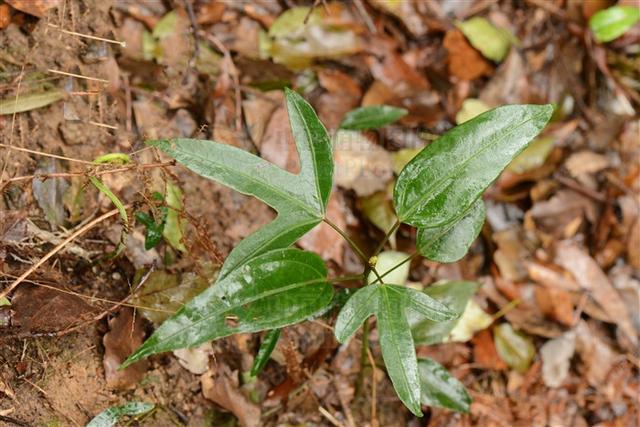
[[389, 303], [439, 185], [449, 243], [372, 117], [611, 23], [275, 289], [440, 388]]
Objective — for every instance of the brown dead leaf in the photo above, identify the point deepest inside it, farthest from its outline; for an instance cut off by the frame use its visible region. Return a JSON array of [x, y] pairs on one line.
[[407, 12], [277, 145], [5, 16], [484, 351], [553, 216], [633, 245], [556, 304], [42, 310], [596, 354], [221, 387], [551, 276], [464, 61], [126, 334], [34, 7], [258, 111], [323, 239], [591, 278], [511, 253]]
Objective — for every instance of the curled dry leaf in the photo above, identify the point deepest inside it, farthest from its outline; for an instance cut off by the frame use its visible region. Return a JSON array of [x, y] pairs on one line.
[[221, 387], [126, 334], [34, 7], [591, 278]]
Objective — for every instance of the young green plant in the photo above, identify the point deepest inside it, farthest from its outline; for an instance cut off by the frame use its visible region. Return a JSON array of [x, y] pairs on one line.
[[265, 284]]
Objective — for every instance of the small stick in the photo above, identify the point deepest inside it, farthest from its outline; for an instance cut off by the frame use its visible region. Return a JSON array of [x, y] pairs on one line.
[[333, 420], [59, 247], [87, 36], [40, 153], [80, 76], [103, 125]]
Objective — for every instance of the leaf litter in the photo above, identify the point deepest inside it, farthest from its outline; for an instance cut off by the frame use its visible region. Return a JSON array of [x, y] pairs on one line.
[[562, 267]]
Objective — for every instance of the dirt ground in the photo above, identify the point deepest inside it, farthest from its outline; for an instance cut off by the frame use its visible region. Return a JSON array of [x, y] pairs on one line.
[[562, 237]]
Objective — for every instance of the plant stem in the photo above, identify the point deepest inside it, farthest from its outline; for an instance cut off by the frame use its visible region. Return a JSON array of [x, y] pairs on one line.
[[354, 246], [409, 258], [392, 230]]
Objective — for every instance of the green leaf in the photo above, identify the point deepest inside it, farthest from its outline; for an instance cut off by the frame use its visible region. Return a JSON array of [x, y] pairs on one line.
[[166, 25], [266, 348], [292, 20], [300, 200], [441, 183], [455, 295], [491, 41], [113, 158], [275, 289], [389, 304], [174, 226], [29, 101], [153, 230], [450, 242], [611, 23], [514, 347], [111, 416], [371, 117], [441, 389]]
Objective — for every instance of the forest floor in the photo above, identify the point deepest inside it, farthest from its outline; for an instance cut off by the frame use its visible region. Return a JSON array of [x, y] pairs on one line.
[[558, 258]]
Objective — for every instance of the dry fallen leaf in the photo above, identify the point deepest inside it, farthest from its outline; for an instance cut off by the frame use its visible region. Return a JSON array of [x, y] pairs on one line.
[[277, 145], [34, 7], [597, 355], [126, 334], [484, 351], [323, 239], [360, 165], [195, 360], [221, 387], [465, 62], [588, 274], [556, 358]]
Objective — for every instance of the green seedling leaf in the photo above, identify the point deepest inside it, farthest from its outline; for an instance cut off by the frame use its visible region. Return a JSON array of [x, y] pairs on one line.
[[273, 290], [455, 295], [388, 261], [514, 347], [372, 117], [441, 389], [389, 304], [121, 210], [264, 353], [4, 301], [113, 158], [153, 230], [111, 416], [533, 156], [441, 183], [166, 25], [449, 243], [611, 23], [29, 101], [471, 108], [493, 42], [174, 226]]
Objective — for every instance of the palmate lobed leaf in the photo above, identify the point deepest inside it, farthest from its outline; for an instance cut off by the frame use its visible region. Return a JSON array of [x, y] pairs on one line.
[[439, 185], [275, 289], [300, 200], [389, 303], [449, 243]]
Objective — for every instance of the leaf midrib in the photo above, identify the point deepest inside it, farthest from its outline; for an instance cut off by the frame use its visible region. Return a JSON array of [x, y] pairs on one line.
[[461, 168], [313, 157]]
